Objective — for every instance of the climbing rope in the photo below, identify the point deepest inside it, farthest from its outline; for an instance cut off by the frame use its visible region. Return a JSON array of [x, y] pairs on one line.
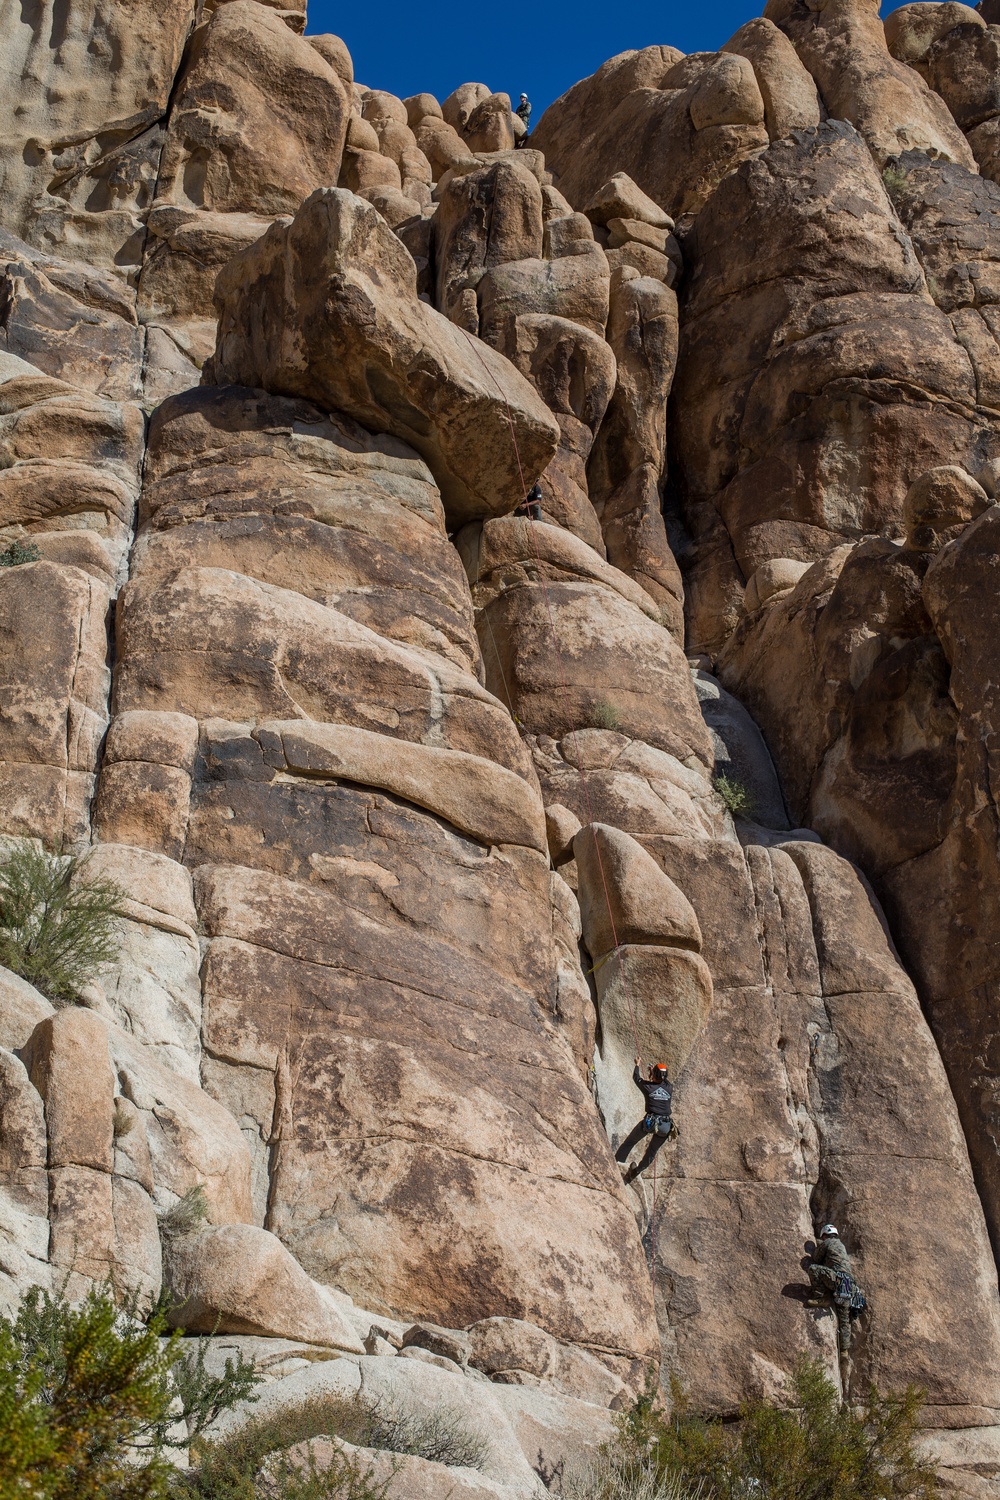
[[564, 685]]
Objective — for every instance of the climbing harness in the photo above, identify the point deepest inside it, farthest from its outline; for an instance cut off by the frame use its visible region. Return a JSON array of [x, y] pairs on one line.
[[616, 952]]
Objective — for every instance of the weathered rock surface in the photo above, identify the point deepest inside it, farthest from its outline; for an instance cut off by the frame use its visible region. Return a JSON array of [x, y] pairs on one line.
[[427, 822], [344, 328]]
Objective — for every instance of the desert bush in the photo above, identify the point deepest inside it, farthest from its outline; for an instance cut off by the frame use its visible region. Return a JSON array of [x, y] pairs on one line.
[[89, 1395], [814, 1449], [228, 1469], [443, 1437], [738, 798], [608, 1478], [57, 927], [186, 1215], [604, 715], [18, 553]]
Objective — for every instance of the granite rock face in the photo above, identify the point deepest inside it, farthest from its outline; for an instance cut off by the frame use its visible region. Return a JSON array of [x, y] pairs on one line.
[[431, 816]]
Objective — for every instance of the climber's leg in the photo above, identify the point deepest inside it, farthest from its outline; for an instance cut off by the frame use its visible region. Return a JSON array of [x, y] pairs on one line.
[[656, 1144], [824, 1282], [630, 1142]]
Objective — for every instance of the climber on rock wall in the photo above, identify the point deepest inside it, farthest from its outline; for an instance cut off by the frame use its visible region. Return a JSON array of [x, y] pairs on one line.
[[657, 1121], [531, 506], [834, 1284]]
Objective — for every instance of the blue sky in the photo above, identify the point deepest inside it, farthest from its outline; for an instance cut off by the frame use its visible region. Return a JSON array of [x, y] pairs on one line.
[[541, 46]]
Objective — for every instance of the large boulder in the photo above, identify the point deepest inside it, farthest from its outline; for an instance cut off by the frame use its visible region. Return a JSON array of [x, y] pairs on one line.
[[326, 307], [240, 1279], [86, 98], [843, 44], [258, 120]]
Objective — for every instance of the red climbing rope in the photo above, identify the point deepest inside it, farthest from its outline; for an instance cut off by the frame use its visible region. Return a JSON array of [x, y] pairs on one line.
[[565, 689]]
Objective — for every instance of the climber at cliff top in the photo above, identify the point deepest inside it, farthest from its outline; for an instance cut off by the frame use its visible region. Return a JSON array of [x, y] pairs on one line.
[[834, 1284], [657, 1122], [523, 110]]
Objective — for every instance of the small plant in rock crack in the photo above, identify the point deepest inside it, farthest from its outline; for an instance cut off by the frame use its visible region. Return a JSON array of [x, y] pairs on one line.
[[123, 1123], [58, 927], [18, 553], [894, 179], [738, 798], [604, 715], [186, 1215]]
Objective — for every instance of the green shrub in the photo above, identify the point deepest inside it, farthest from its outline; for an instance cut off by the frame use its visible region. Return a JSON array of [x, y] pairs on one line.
[[186, 1215], [738, 798], [227, 1469], [89, 1393], [57, 928], [17, 553], [816, 1449], [604, 715]]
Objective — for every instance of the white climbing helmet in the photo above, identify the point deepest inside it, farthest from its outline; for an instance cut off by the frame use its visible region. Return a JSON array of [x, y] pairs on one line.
[[525, 98], [827, 1230]]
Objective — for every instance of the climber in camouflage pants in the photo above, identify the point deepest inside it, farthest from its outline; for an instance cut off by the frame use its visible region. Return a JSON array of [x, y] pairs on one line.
[[834, 1284]]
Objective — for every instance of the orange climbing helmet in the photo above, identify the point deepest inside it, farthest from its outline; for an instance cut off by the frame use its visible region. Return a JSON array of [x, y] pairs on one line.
[[659, 1072]]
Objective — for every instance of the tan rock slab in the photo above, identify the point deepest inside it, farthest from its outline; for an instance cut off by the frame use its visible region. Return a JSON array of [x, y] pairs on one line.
[[428, 384], [240, 1279], [258, 120], [625, 898], [68, 1061]]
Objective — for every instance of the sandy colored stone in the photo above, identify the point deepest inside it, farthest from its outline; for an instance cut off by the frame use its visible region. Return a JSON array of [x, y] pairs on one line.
[[370, 1158], [490, 126], [574, 287], [23, 1143], [281, 492], [53, 698], [422, 107], [629, 454], [620, 198], [80, 185], [912, 30], [625, 898], [938, 507], [451, 413], [460, 104], [188, 246], [47, 295], [484, 219], [961, 66], [240, 1279], [543, 647], [258, 120], [674, 142], [334, 51], [789, 93], [67, 1059], [477, 796], [22, 1008], [214, 644], [844, 48], [745, 452]]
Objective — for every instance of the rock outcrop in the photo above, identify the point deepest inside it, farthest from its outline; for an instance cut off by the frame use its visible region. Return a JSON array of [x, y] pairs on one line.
[[430, 816]]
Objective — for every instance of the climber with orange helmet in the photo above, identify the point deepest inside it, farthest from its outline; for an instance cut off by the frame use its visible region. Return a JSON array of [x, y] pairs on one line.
[[657, 1121]]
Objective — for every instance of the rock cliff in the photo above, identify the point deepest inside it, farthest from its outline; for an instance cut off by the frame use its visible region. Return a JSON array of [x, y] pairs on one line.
[[429, 816]]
